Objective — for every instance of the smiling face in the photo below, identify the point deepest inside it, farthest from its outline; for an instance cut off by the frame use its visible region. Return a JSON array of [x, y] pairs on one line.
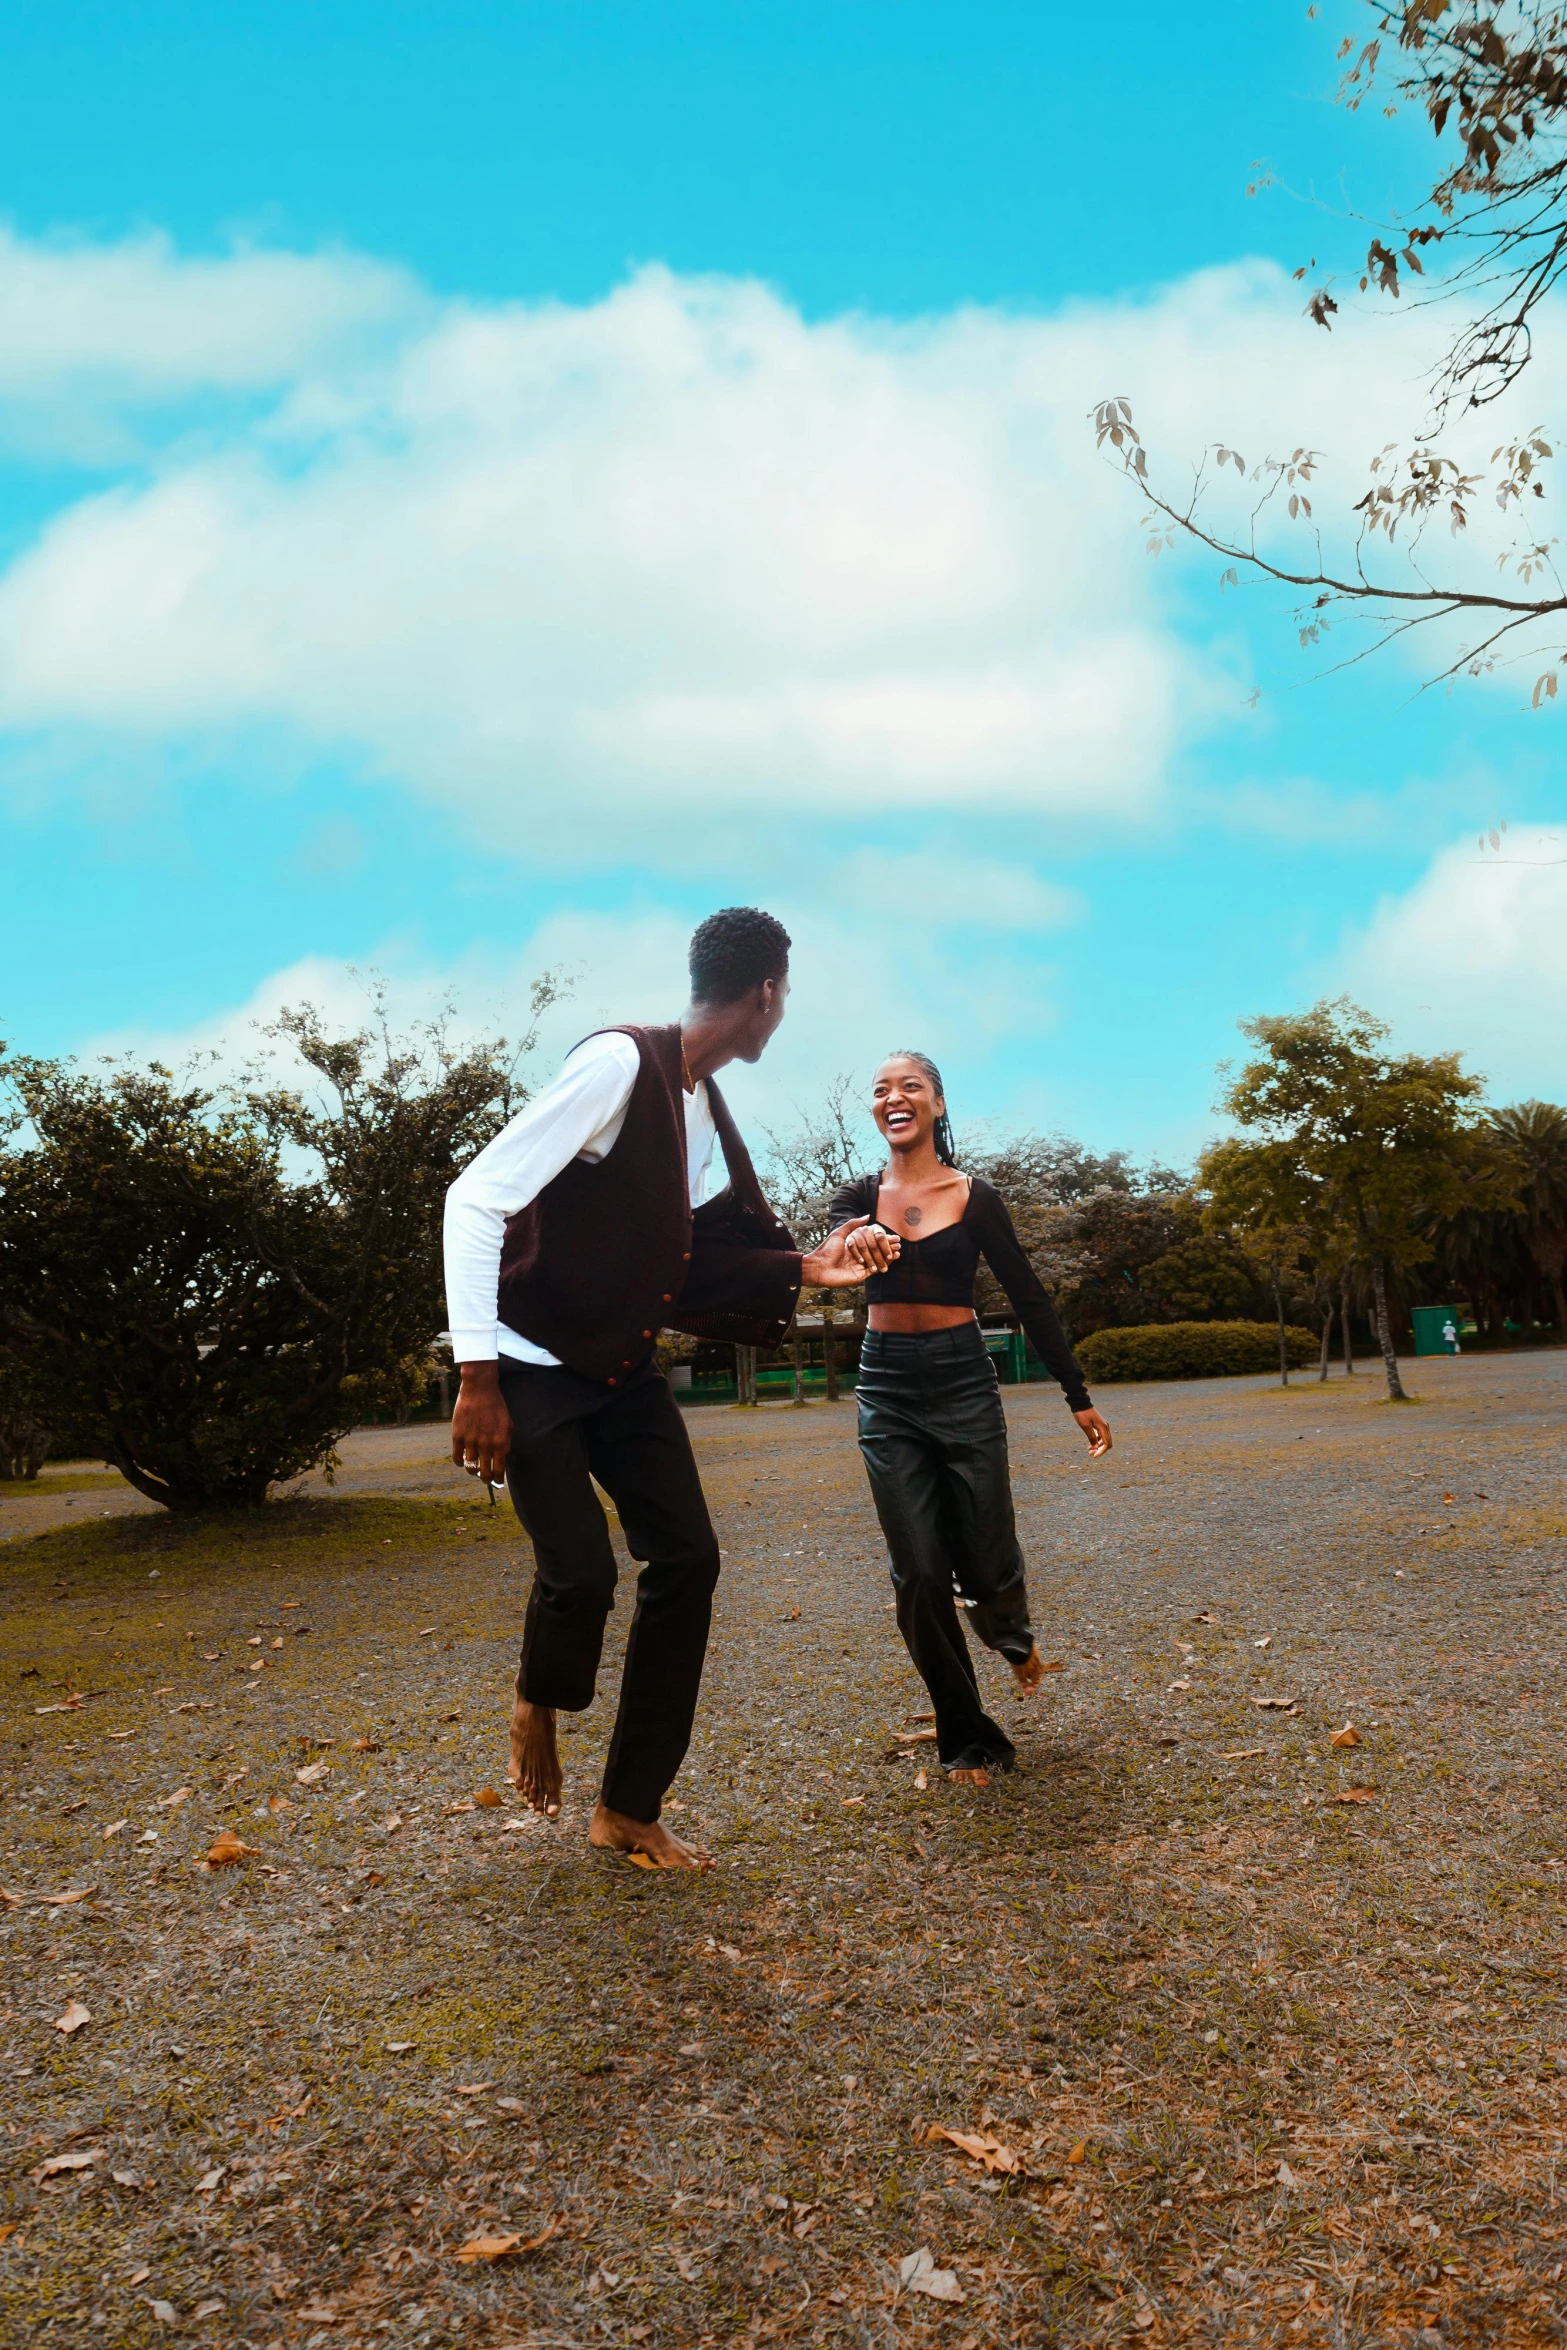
[[905, 1104]]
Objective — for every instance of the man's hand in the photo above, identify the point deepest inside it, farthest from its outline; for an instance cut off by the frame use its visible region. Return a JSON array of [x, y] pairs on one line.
[[1097, 1431], [832, 1267], [481, 1424]]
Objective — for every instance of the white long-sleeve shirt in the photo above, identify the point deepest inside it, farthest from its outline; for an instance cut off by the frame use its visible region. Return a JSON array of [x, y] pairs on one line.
[[579, 1116]]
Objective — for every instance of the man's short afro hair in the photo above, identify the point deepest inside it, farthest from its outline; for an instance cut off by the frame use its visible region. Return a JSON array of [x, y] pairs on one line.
[[734, 951]]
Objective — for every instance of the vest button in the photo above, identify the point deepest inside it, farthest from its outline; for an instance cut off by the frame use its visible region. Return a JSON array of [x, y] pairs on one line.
[[609, 1382], [647, 1333], [669, 1297], [626, 1365], [686, 1259]]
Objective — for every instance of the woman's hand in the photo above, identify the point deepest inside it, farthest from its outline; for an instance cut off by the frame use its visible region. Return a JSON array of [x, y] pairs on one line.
[[1097, 1431], [871, 1245], [837, 1264]]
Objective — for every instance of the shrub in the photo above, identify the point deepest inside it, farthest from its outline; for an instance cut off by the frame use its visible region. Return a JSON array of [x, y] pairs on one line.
[[1191, 1350]]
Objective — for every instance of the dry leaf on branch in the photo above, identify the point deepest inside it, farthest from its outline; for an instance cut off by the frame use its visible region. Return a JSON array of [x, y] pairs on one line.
[[498, 2247], [919, 2274], [1348, 1736], [74, 2017], [226, 1849], [982, 2148]]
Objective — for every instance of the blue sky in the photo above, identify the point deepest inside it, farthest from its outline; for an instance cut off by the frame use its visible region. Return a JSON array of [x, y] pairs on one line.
[[481, 485]]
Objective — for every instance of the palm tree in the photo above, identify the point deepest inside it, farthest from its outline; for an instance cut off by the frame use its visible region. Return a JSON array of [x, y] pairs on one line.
[[1534, 1135]]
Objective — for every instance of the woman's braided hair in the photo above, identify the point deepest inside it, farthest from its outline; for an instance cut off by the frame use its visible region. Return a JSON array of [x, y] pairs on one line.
[[943, 1135]]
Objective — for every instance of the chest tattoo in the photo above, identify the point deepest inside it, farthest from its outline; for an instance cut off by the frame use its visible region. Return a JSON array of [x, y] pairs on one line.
[[913, 1215]]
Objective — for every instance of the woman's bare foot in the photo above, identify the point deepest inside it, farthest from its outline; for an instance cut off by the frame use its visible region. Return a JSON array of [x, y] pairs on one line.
[[535, 1759], [611, 1831], [974, 1777], [1029, 1673]]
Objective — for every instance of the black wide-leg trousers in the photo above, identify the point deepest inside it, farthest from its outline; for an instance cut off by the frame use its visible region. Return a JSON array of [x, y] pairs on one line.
[[934, 1440], [568, 1431]]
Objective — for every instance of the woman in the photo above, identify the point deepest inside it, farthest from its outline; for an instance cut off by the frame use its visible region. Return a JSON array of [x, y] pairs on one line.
[[931, 1425]]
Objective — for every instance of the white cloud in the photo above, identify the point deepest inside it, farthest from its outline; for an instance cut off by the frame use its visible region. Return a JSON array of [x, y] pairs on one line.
[[1474, 959], [619, 576], [92, 333]]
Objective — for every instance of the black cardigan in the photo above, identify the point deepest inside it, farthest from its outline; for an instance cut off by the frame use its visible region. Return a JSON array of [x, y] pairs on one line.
[[941, 1269]]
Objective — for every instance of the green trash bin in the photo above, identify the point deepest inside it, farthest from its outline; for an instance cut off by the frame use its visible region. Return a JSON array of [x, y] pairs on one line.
[[1432, 1323]]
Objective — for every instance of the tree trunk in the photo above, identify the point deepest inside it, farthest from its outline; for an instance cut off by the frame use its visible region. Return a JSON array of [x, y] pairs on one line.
[[829, 1356], [1344, 1324], [797, 1356], [1395, 1388], [1327, 1338], [1284, 1351], [745, 1374]]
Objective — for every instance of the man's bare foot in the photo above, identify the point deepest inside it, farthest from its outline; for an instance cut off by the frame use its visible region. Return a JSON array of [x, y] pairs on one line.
[[974, 1777], [1029, 1673], [611, 1831], [535, 1759]]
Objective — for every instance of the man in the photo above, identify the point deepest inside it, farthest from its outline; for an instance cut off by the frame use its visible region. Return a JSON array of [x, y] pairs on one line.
[[570, 1241]]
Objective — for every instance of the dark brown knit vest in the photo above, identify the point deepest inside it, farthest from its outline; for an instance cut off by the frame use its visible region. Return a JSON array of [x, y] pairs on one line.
[[594, 1267]]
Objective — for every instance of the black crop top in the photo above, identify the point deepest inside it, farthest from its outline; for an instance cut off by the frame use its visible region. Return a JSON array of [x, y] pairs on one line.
[[940, 1271]]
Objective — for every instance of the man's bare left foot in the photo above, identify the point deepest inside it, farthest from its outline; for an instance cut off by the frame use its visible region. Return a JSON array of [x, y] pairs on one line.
[[973, 1775], [535, 1769], [611, 1831], [1029, 1673]]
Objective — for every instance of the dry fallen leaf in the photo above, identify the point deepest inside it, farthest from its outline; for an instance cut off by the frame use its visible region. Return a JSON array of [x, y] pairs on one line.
[[488, 1800], [919, 2274], [849, 1801], [1079, 2153], [164, 2311], [114, 1828], [364, 1746], [173, 1802], [279, 1803], [227, 1848], [497, 2247], [473, 2089], [59, 2162], [64, 1900], [1281, 1705], [921, 1781], [464, 1805], [210, 2183], [1177, 1685], [1348, 1736], [980, 2147], [397, 2047], [1355, 1795], [1285, 2176], [393, 1822], [127, 2178], [1265, 1642], [73, 2018], [641, 1860], [311, 1773], [912, 1737], [1241, 1753]]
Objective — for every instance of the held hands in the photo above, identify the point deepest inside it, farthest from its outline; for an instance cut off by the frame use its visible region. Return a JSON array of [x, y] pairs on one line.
[[847, 1256], [1097, 1431], [481, 1424]]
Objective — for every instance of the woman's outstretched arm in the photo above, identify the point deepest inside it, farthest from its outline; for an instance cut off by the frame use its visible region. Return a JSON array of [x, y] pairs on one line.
[[1030, 1301]]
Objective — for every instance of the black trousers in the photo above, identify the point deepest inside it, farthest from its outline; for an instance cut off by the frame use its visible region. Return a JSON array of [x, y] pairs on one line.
[[567, 1431], [934, 1440]]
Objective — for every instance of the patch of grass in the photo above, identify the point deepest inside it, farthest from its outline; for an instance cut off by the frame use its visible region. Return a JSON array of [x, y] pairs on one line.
[[47, 1483]]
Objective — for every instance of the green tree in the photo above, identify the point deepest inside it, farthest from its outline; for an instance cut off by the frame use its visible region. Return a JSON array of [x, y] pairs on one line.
[[217, 1285], [1534, 1137], [1364, 1144], [1260, 1192]]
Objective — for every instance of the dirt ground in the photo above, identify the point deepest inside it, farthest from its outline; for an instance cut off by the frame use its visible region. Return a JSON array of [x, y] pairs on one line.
[[1256, 2038]]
